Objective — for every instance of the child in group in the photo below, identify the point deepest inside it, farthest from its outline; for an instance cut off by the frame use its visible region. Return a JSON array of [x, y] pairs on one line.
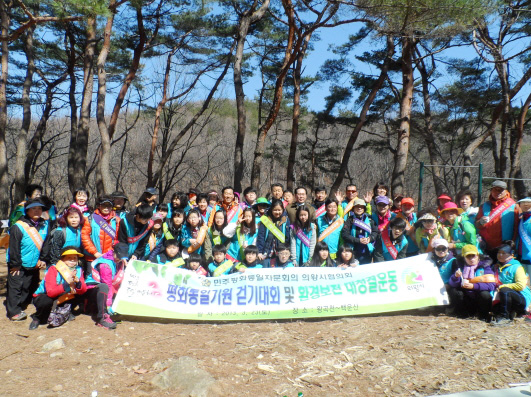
[[360, 233], [283, 257], [249, 198], [178, 200], [321, 257], [330, 226], [345, 258], [134, 230], [471, 284], [303, 237], [288, 197], [156, 235], [392, 242], [213, 198], [171, 255], [443, 259], [511, 281], [195, 263], [382, 215], [426, 229], [261, 207], [397, 204], [119, 201], [104, 280], [220, 265], [67, 234], [25, 259], [407, 213], [63, 282], [273, 230], [523, 241], [242, 234], [163, 210], [250, 260], [100, 230], [173, 227], [216, 231], [460, 231], [195, 236], [80, 198]]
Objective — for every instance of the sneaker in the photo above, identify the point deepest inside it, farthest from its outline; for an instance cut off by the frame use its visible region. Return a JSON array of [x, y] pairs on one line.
[[106, 322], [34, 324], [19, 317], [527, 318], [502, 321]]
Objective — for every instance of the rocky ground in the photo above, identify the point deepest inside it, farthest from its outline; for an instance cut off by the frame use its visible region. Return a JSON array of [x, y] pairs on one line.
[[416, 353]]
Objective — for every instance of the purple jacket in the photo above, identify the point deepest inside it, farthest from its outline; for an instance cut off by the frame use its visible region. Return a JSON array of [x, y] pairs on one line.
[[483, 268]]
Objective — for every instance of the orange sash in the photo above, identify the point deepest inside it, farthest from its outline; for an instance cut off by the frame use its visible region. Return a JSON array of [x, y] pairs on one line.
[[33, 233], [200, 239]]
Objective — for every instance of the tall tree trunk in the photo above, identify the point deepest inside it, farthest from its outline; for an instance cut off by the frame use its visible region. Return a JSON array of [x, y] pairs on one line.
[[516, 171], [427, 131], [246, 20], [81, 147], [104, 183], [501, 70], [402, 149], [4, 180], [290, 177], [22, 139], [70, 48], [343, 169]]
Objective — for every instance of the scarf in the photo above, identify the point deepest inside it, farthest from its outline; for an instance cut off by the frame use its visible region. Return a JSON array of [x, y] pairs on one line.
[[82, 208], [495, 202], [526, 216], [468, 271], [383, 220], [34, 223], [106, 217]]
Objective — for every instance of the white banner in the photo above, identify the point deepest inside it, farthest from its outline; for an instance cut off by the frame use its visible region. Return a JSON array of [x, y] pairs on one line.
[[165, 292]]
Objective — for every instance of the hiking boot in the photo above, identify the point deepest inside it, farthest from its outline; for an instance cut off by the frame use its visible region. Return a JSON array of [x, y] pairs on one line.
[[106, 322], [502, 322], [71, 317], [19, 317], [34, 324]]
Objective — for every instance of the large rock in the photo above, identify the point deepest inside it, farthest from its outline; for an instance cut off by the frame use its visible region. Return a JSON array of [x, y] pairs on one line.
[[186, 376], [54, 345]]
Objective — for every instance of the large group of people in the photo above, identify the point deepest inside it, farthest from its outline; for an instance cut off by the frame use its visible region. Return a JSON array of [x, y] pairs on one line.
[[482, 254]]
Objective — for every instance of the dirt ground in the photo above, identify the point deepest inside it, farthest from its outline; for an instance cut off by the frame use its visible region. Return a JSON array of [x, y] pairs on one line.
[[416, 353]]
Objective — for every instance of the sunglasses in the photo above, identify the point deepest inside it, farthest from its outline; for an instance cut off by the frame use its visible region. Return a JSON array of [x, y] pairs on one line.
[[441, 249], [351, 191]]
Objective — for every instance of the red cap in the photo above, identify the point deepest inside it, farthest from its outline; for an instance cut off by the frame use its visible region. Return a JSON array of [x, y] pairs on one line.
[[444, 197], [407, 200]]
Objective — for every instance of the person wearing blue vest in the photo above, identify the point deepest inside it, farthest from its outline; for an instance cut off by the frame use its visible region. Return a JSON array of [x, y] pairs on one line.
[[472, 284], [523, 242], [330, 220], [32, 192], [360, 232], [134, 230], [171, 255], [513, 293], [242, 234], [407, 212], [119, 200], [63, 283], [392, 243], [156, 236], [443, 258], [104, 281], [68, 234], [27, 237], [303, 237], [273, 231]]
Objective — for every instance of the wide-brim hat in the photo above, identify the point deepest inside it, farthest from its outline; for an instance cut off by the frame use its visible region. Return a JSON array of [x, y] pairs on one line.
[[427, 217], [451, 206], [71, 251], [34, 204], [359, 202]]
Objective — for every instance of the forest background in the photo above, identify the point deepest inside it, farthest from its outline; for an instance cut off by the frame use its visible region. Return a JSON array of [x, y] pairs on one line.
[[127, 94]]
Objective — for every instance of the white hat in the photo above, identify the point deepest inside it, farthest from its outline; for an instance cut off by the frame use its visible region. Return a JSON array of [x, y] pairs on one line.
[[427, 217], [437, 242], [525, 200]]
